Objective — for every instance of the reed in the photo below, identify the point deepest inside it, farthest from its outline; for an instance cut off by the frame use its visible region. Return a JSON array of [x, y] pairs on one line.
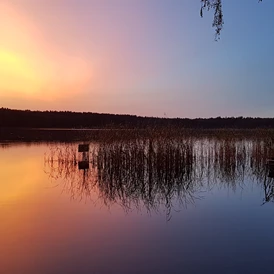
[[162, 168]]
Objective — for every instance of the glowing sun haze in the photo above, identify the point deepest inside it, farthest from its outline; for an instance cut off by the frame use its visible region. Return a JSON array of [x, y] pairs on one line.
[[33, 67], [141, 57]]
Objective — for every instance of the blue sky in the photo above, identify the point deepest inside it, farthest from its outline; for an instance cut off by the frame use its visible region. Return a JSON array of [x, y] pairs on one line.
[[143, 57]]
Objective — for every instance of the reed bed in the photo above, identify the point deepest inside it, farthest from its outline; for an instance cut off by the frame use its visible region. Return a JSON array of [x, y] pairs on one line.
[[163, 169]]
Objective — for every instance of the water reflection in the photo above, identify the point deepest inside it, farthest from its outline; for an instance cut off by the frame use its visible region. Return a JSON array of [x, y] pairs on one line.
[[155, 172], [223, 233]]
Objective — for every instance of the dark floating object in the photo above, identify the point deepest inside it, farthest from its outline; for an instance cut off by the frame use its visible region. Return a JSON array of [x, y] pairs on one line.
[[83, 165], [83, 148], [270, 162], [271, 174]]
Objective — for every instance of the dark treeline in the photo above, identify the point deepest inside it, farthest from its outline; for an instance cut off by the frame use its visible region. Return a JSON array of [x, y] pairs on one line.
[[67, 119]]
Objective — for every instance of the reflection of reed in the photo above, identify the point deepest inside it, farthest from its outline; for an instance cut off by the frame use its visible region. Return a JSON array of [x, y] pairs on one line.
[[153, 172], [61, 163], [156, 171]]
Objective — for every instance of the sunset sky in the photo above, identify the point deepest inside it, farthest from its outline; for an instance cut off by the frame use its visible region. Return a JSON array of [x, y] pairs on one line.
[[143, 57]]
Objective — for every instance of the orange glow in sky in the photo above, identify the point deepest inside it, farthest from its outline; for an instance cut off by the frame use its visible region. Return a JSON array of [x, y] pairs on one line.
[[33, 67], [17, 74]]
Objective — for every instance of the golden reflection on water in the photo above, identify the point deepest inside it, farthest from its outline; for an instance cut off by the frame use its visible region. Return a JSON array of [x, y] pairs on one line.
[[20, 173], [38, 223]]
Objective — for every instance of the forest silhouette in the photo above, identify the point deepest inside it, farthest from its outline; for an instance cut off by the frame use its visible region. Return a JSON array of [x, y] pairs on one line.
[[68, 119]]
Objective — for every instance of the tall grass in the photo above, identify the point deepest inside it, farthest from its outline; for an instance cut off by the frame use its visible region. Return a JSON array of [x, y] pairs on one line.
[[163, 168]]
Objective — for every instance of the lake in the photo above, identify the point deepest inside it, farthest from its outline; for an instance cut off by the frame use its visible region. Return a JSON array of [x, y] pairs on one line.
[[148, 205]]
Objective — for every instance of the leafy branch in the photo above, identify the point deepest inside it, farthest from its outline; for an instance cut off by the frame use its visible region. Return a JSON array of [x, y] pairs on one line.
[[218, 20]]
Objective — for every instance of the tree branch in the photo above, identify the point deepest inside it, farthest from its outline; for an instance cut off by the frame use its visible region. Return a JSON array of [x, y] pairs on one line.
[[218, 21]]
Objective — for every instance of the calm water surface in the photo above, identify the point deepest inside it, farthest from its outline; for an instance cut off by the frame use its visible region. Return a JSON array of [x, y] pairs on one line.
[[119, 217]]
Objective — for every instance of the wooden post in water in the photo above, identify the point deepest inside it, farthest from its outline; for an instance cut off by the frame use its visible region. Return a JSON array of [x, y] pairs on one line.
[[84, 162]]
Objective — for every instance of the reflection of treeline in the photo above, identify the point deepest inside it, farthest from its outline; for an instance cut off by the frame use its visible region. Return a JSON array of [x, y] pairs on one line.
[[67, 119], [161, 171]]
